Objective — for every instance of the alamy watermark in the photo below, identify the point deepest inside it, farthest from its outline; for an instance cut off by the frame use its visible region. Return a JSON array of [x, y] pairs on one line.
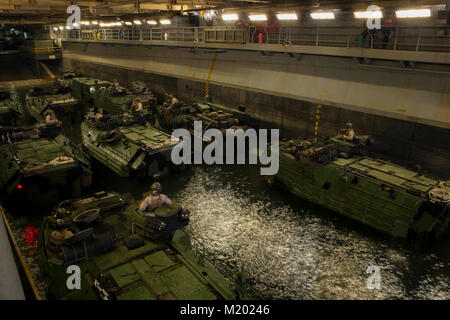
[[233, 143], [373, 21], [74, 20], [374, 280], [74, 280]]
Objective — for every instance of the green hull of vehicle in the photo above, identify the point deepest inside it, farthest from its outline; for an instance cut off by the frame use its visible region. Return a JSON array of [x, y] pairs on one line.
[[379, 194], [141, 150], [116, 104], [64, 105], [164, 268], [10, 115], [40, 170]]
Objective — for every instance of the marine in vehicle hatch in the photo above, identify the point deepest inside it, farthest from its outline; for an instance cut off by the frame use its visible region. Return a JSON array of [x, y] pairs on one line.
[[155, 200], [50, 118], [349, 132], [98, 115], [51, 126], [137, 105]]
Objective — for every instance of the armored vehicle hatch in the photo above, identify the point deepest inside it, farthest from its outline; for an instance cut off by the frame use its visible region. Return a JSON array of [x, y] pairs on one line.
[[125, 255]]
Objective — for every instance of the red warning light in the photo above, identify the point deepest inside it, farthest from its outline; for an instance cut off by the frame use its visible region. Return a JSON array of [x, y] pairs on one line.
[[19, 187]]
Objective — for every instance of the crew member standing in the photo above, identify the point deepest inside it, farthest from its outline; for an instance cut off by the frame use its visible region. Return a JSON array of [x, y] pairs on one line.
[[155, 200]]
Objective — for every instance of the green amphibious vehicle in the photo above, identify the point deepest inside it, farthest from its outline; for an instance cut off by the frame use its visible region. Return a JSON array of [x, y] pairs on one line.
[[335, 174], [126, 254], [38, 102], [40, 167], [10, 113], [115, 99], [128, 145], [83, 88], [173, 114]]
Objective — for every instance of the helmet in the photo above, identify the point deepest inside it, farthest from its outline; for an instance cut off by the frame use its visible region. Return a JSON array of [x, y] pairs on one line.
[[156, 187], [61, 212], [349, 125]]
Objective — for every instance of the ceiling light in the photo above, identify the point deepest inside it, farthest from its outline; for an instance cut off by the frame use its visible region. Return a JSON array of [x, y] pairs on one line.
[[94, 22], [287, 16], [413, 13], [152, 22], [322, 15], [164, 21], [368, 14], [128, 23], [137, 22], [61, 28], [258, 17], [230, 17]]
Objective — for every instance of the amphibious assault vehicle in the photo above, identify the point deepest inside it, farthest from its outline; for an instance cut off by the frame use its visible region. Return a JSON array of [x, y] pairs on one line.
[[126, 254], [116, 99], [10, 113], [336, 174], [83, 88], [174, 114], [38, 102], [40, 166], [128, 145]]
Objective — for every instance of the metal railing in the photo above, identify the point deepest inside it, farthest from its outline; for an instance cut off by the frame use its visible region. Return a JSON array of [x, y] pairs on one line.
[[412, 38]]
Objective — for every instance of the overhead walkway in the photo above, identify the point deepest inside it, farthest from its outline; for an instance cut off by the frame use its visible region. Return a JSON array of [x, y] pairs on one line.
[[408, 45]]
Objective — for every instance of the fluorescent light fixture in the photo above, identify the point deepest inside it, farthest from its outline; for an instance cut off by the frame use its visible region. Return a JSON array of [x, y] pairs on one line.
[[257, 17], [128, 23], [165, 21], [86, 23], [322, 15], [68, 28], [368, 14], [413, 13], [287, 16], [137, 22], [75, 24], [55, 29], [230, 17], [94, 22], [152, 22], [61, 28]]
